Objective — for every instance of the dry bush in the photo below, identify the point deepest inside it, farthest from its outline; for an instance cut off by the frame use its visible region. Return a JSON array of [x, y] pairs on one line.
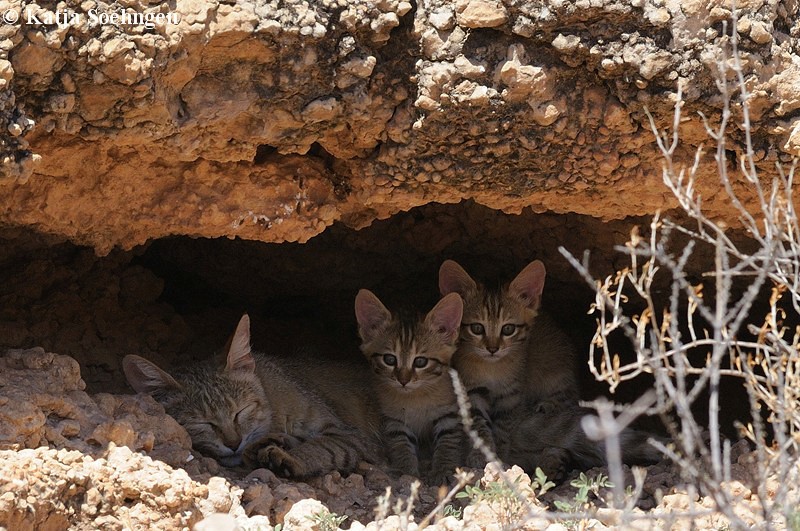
[[700, 331]]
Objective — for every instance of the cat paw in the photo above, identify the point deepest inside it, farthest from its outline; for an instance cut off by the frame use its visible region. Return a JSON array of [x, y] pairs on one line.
[[396, 471], [553, 462], [476, 459], [441, 477], [281, 462]]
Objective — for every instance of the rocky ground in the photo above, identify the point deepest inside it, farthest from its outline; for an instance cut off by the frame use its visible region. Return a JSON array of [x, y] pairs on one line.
[[71, 460]]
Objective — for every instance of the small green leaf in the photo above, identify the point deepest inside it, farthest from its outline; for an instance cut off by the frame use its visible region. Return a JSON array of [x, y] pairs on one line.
[[564, 507]]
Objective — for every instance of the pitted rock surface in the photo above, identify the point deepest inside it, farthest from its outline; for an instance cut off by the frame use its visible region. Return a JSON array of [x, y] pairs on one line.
[[271, 120]]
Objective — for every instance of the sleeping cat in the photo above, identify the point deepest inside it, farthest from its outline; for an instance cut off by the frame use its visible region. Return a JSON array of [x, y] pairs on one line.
[[410, 358], [508, 354], [266, 411]]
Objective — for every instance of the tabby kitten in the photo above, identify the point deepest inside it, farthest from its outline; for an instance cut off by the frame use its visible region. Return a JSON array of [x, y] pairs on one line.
[[520, 371], [410, 358], [258, 409], [508, 354]]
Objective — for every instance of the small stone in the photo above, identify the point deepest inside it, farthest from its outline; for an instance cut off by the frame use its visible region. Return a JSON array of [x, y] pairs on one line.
[[442, 19], [759, 33], [299, 515], [360, 67], [566, 43], [217, 522], [792, 144], [425, 103], [481, 13], [546, 114], [743, 25], [658, 17], [675, 502]]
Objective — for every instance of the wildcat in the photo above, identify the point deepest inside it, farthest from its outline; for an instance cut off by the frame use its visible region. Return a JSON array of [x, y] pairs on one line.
[[520, 372], [265, 410], [553, 440], [508, 354], [410, 358]]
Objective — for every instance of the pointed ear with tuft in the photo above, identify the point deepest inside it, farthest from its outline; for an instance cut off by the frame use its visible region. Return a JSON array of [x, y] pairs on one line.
[[453, 279], [445, 318], [371, 314], [239, 356], [145, 376], [528, 285]]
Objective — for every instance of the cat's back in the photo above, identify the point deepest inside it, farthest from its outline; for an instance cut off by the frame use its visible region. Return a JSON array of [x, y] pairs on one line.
[[339, 383]]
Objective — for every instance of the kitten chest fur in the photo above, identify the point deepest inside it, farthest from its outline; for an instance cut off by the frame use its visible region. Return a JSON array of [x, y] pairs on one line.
[[420, 408]]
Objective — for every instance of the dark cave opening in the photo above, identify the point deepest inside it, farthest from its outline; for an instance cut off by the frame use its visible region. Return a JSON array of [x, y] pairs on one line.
[[178, 299]]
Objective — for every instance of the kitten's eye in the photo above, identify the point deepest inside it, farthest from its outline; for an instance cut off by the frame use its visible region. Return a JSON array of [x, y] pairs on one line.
[[477, 329], [390, 360], [420, 362], [508, 329]]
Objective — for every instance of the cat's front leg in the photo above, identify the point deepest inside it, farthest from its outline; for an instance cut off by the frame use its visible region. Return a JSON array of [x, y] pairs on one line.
[[482, 426], [336, 448], [553, 462], [284, 464], [254, 455], [448, 443], [401, 447]]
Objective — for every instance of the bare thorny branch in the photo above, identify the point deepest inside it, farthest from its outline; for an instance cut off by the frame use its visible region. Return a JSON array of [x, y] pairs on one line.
[[696, 337]]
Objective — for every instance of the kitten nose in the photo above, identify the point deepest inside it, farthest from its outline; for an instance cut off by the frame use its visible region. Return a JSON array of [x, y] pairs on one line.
[[492, 350], [403, 377]]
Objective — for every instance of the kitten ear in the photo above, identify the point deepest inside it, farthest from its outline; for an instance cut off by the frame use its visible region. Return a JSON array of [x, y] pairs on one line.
[[145, 376], [371, 314], [239, 356], [445, 318], [453, 279], [528, 285]]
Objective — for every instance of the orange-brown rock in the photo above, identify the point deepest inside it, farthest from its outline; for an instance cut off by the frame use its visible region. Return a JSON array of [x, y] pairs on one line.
[[271, 120]]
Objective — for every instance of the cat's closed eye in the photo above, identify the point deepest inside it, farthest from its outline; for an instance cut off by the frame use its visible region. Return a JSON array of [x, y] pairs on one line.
[[200, 426], [242, 413]]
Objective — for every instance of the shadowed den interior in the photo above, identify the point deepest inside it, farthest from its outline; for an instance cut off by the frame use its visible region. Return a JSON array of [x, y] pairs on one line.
[[177, 299]]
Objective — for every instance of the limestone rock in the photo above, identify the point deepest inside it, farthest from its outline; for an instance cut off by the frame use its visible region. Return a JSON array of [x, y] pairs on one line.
[[481, 13], [44, 403], [271, 121], [55, 489]]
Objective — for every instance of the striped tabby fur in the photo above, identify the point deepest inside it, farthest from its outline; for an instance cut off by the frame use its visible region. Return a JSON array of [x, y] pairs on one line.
[[554, 439], [266, 411], [508, 354], [520, 371], [410, 358]]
